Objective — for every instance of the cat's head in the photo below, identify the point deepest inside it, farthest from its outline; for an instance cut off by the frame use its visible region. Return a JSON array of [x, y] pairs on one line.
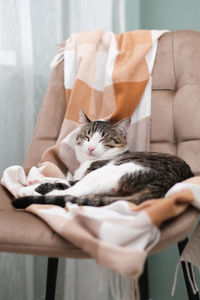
[[100, 139]]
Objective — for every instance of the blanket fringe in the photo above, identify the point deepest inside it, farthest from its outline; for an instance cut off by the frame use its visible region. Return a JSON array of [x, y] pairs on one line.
[[103, 277], [175, 278], [122, 288], [192, 280]]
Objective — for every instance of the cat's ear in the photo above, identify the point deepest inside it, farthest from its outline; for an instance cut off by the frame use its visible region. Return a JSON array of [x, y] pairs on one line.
[[83, 118], [123, 126]]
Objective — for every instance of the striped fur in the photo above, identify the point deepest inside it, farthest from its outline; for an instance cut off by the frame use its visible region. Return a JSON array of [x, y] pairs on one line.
[[133, 176]]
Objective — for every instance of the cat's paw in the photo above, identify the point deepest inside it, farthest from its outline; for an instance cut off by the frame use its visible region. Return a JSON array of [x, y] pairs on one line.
[[61, 186], [45, 188]]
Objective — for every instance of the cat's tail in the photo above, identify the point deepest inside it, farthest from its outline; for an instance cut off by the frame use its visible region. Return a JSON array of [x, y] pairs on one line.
[[24, 202], [91, 200]]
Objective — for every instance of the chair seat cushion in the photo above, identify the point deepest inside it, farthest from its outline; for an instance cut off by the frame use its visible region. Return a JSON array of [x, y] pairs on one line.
[[22, 232]]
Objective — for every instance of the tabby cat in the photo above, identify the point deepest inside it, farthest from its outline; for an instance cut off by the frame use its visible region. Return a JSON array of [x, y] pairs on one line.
[[109, 172]]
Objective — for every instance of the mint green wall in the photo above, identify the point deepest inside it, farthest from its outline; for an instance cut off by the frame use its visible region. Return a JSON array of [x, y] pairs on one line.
[[171, 15], [133, 14], [163, 14]]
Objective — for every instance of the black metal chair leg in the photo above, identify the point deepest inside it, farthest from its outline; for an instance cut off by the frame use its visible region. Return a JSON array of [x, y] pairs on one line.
[[143, 283], [191, 295], [52, 269]]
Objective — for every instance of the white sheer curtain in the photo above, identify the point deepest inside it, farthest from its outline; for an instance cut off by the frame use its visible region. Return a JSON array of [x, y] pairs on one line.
[[29, 33]]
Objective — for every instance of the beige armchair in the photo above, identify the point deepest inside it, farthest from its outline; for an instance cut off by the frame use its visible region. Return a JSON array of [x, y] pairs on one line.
[[175, 129]]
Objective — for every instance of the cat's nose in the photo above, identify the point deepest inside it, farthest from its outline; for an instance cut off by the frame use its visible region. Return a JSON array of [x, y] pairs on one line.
[[91, 149]]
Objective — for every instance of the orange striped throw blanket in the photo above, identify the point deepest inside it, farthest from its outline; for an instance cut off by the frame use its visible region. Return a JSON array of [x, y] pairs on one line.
[[108, 76]]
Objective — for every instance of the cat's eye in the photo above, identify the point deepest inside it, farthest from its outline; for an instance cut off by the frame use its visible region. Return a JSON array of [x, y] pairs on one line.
[[109, 139], [109, 146], [115, 141], [86, 138]]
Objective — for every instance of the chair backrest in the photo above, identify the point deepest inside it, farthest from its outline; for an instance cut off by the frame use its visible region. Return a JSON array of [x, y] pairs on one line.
[[175, 125], [176, 97]]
